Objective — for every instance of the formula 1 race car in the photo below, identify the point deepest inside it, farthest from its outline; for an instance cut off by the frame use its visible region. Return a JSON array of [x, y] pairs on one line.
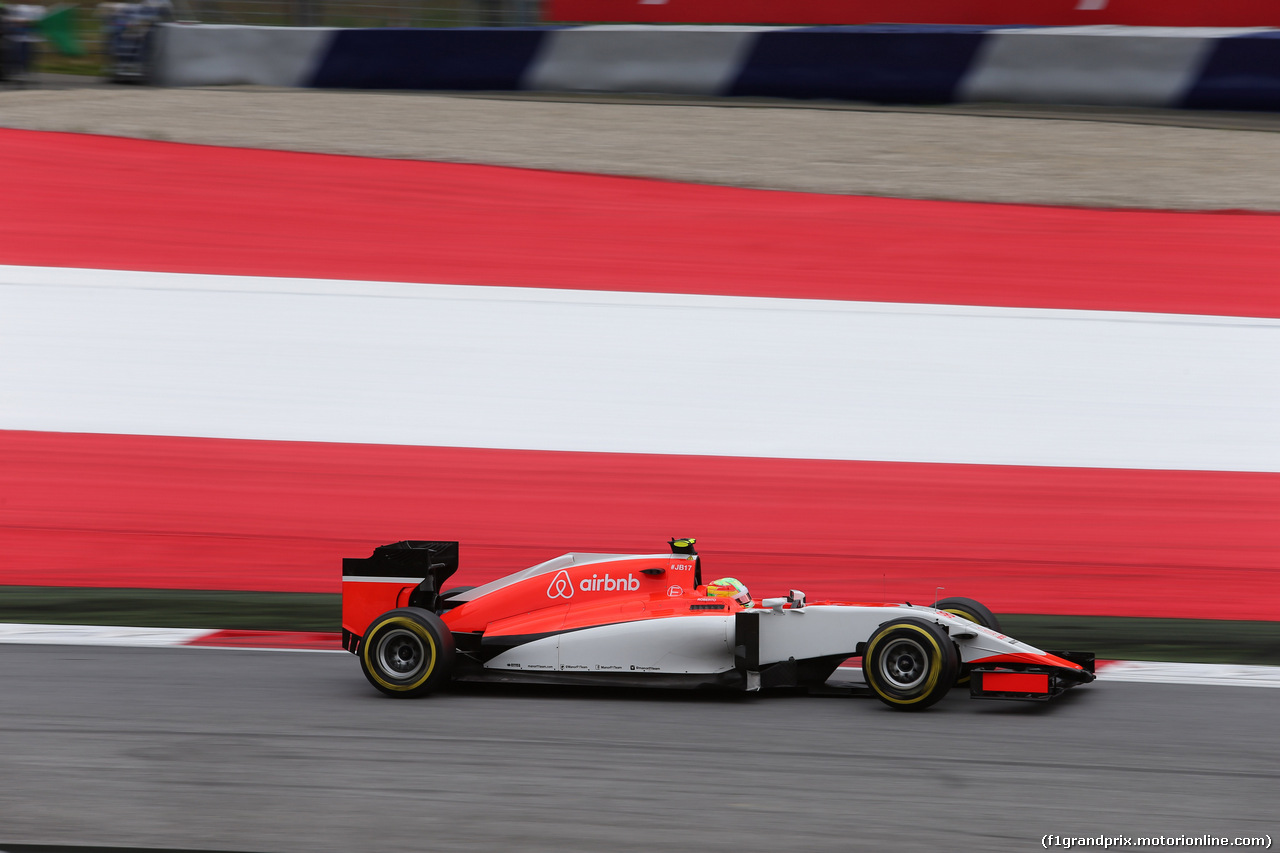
[[649, 620]]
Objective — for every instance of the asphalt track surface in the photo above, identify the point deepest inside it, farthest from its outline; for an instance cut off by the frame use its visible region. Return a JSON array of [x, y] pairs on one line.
[[265, 751]]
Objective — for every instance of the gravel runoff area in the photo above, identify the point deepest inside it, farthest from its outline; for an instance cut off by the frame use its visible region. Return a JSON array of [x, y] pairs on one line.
[[1107, 158]]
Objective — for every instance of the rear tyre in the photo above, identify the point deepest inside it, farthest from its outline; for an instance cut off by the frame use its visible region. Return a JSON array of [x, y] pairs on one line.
[[974, 611], [407, 652], [910, 664]]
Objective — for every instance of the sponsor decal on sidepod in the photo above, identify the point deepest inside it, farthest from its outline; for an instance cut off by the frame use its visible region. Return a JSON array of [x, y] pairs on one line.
[[561, 585], [595, 583]]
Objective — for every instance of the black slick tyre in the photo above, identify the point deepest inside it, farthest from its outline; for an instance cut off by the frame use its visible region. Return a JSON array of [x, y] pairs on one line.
[[910, 664], [407, 652], [974, 611], [967, 608]]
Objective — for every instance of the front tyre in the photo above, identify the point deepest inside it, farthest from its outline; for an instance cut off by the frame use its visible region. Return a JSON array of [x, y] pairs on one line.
[[910, 664], [407, 652], [974, 611]]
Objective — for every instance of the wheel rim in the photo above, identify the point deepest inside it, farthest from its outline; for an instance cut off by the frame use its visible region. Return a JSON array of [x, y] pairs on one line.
[[904, 664], [401, 654]]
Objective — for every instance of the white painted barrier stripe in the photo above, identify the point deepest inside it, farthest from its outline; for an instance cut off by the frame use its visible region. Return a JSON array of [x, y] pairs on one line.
[[1103, 65], [682, 60], [1120, 31], [1069, 68], [227, 54], [544, 369], [97, 635], [12, 633], [1155, 672], [1216, 674]]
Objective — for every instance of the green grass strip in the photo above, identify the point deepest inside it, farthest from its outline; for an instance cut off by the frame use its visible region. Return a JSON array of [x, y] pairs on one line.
[[1133, 638], [172, 608], [1190, 640]]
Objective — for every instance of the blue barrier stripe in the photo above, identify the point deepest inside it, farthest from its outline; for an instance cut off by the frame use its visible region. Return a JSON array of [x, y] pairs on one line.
[[476, 59], [1241, 73], [892, 66]]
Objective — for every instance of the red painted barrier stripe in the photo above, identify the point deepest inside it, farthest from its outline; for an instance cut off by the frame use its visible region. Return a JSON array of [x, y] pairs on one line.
[[1167, 13], [95, 510], [95, 202]]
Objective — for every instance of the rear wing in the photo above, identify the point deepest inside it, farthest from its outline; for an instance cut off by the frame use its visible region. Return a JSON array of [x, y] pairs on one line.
[[432, 563], [402, 574]]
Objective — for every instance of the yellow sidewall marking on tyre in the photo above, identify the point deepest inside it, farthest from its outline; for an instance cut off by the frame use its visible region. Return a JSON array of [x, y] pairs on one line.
[[413, 626], [964, 614], [935, 666]]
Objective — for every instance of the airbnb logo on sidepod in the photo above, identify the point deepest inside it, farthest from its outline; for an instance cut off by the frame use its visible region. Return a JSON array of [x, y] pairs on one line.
[[561, 585]]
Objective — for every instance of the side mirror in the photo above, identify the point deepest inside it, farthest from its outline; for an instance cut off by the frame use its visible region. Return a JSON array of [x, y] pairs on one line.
[[796, 597]]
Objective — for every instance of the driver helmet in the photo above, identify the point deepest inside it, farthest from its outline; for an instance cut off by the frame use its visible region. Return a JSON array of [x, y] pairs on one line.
[[730, 588]]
